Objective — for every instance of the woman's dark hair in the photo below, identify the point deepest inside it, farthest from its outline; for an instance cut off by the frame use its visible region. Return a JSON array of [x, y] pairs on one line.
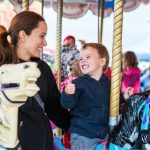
[[26, 21], [3, 28]]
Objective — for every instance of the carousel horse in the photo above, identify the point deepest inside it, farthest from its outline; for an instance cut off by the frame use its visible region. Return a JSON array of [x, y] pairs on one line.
[[133, 130], [17, 83]]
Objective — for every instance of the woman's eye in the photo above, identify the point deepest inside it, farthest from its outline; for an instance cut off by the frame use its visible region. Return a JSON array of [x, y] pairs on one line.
[[42, 36]]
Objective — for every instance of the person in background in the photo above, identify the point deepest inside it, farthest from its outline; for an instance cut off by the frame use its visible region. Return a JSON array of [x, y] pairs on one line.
[[130, 72], [145, 79], [69, 54], [75, 72], [82, 42], [2, 29], [108, 72], [22, 43], [88, 98]]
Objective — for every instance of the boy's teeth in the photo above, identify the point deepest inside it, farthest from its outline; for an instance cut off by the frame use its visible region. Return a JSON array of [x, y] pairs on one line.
[[84, 66]]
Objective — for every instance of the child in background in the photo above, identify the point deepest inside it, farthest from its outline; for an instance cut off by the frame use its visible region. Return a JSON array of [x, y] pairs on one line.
[[88, 98], [75, 72], [108, 72], [130, 72]]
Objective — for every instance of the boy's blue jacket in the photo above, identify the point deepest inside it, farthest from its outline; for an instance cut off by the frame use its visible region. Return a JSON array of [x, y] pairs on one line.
[[89, 106]]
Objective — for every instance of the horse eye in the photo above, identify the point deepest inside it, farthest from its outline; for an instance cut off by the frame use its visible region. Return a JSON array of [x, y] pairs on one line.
[[2, 72], [26, 66]]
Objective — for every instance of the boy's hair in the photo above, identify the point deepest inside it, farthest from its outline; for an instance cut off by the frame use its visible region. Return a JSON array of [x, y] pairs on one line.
[[130, 59], [75, 69], [101, 50]]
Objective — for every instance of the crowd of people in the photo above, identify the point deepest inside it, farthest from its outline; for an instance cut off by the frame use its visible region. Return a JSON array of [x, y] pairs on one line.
[[82, 108]]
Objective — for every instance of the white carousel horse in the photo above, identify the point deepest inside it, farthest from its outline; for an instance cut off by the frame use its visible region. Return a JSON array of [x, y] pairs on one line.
[[17, 83]]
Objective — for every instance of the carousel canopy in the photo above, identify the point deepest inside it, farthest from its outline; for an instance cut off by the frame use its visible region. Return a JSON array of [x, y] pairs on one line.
[[73, 9]]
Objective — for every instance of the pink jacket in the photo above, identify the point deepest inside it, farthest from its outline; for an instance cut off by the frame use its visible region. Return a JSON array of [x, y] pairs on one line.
[[131, 78]]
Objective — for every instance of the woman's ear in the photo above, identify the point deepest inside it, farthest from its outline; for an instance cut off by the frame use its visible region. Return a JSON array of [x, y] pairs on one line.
[[22, 35]]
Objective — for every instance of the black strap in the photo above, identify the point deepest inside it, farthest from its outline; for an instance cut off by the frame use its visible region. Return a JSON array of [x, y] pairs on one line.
[[10, 99], [39, 101]]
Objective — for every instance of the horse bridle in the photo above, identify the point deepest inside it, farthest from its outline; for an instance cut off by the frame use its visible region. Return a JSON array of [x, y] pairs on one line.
[[9, 86]]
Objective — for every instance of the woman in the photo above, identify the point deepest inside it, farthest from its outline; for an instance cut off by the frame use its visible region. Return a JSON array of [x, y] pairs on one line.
[[23, 42]]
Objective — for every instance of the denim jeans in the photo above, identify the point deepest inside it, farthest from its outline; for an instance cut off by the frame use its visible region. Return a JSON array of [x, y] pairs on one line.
[[79, 142]]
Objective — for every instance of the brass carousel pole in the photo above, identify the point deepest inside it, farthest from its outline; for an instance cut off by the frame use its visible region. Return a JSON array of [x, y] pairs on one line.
[[58, 40], [58, 44], [25, 5], [101, 4], [116, 63]]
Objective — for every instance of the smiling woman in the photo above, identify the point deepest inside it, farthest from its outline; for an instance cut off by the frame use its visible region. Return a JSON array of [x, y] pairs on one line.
[[26, 34]]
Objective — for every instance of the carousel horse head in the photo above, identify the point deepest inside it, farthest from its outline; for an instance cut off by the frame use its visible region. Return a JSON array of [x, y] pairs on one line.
[[133, 130], [17, 83]]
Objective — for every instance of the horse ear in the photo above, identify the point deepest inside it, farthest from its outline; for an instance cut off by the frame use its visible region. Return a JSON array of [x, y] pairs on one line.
[[146, 92]]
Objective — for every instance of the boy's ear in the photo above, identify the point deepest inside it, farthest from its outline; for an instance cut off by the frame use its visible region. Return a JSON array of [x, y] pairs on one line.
[[22, 35], [103, 61]]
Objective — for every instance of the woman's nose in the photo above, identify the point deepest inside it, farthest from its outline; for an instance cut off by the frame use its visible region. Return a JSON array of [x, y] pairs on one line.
[[45, 42]]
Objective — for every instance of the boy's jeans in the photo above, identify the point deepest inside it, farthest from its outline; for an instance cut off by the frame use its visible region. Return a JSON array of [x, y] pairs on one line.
[[79, 142]]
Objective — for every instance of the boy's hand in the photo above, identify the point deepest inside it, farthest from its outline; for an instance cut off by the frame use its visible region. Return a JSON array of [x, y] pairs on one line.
[[70, 88], [128, 92]]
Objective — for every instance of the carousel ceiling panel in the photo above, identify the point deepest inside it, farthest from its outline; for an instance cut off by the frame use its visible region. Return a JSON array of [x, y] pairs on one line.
[[73, 9]]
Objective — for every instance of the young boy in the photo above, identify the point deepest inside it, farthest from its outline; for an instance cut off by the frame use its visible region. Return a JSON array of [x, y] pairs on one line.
[[88, 98]]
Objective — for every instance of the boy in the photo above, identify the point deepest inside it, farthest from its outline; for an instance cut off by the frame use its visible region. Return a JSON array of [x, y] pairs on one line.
[[88, 98]]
